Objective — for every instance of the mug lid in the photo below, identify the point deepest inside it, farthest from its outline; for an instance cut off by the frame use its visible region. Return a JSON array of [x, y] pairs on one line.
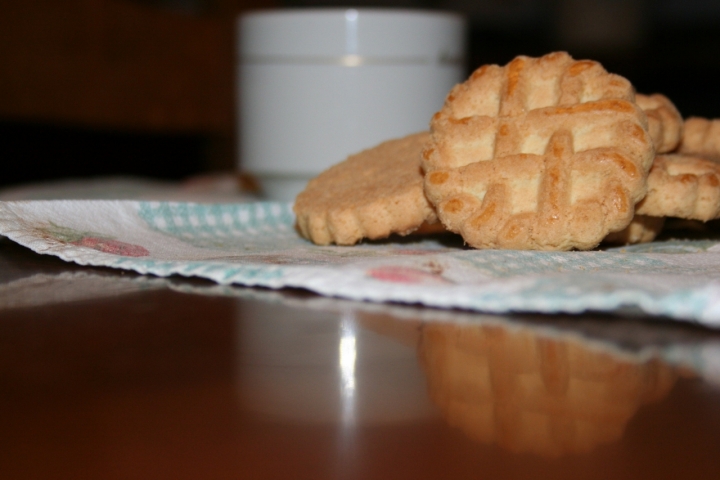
[[365, 35]]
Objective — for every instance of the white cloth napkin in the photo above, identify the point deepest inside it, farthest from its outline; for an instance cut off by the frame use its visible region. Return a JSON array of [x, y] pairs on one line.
[[256, 244]]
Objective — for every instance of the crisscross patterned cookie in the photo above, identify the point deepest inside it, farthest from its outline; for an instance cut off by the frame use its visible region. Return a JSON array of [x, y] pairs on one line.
[[682, 186], [545, 153], [701, 136], [372, 194], [665, 124]]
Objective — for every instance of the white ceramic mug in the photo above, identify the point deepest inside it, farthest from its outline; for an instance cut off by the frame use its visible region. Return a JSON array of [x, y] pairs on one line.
[[316, 85]]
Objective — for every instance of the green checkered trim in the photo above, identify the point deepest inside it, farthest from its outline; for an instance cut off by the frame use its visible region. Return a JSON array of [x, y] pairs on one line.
[[510, 263], [202, 224]]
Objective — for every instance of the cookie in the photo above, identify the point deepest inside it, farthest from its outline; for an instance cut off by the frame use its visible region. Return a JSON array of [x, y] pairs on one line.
[[372, 194], [642, 229], [545, 153], [665, 124], [701, 136], [682, 186]]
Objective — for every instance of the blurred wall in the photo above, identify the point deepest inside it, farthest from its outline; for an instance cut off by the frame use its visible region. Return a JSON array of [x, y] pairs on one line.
[[103, 87]]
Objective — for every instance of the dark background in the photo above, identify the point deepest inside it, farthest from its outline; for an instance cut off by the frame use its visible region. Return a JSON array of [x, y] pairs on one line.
[[667, 46]]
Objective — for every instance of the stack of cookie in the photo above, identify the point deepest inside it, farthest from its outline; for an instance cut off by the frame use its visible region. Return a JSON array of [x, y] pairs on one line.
[[544, 153]]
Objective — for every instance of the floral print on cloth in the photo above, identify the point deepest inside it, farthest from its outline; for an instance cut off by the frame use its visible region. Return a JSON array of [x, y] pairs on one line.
[[92, 240]]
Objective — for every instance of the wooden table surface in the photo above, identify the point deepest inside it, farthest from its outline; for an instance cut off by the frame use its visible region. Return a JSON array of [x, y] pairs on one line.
[[109, 375]]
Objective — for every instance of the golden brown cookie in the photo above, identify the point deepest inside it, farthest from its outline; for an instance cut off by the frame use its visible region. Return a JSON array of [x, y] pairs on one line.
[[665, 124], [372, 194], [701, 136], [545, 153], [642, 229], [682, 186]]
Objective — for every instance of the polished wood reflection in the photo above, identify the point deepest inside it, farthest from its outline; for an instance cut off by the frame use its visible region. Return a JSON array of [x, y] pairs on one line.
[[142, 380], [529, 393]]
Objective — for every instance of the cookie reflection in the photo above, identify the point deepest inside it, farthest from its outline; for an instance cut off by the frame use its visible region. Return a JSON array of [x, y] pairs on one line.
[[531, 394]]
